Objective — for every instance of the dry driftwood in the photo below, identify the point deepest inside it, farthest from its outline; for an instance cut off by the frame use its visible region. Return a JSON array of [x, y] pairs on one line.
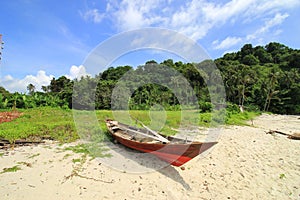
[[4, 144], [295, 136]]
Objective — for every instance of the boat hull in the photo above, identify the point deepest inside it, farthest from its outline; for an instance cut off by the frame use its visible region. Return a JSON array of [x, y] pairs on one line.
[[177, 153]]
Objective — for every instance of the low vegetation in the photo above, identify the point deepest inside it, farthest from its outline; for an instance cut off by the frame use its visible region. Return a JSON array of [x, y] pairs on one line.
[[11, 169], [58, 124], [43, 122]]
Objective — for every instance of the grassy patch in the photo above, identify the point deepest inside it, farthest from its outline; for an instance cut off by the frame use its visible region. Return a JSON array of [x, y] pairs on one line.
[[80, 148], [93, 149], [1, 154], [34, 155], [67, 156], [240, 118], [44, 122], [175, 119], [58, 124], [281, 176], [75, 160], [10, 169]]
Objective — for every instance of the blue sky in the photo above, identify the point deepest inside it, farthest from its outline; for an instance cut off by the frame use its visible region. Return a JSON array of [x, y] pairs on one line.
[[46, 39]]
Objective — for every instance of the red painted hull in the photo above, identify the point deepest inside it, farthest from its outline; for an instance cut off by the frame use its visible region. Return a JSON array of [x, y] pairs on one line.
[[174, 153]]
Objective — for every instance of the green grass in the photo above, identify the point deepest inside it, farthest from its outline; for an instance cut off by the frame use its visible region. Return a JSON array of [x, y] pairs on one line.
[[34, 155], [281, 176], [58, 124], [80, 148], [67, 155], [240, 118], [93, 149], [52, 123], [10, 169], [75, 160]]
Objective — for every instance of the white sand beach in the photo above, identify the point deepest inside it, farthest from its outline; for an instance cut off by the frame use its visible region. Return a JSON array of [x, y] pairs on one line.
[[247, 164]]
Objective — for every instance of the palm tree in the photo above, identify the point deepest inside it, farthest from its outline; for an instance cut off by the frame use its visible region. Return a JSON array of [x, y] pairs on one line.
[[31, 88], [273, 80]]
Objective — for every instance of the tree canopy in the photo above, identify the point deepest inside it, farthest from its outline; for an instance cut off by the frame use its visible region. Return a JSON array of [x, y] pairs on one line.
[[265, 78]]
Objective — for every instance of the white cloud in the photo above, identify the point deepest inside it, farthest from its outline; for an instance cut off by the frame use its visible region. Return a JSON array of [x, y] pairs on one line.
[[129, 15], [20, 85], [270, 7], [77, 72], [7, 78], [40, 79], [277, 20], [227, 43], [255, 37], [93, 15], [195, 18]]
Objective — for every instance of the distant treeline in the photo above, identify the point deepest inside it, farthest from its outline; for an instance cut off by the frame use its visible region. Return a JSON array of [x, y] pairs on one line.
[[265, 78]]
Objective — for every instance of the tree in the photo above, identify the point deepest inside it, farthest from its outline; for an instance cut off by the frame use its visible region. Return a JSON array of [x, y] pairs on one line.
[[278, 51], [31, 89], [230, 56], [114, 73], [60, 84], [294, 60], [250, 60], [46, 89], [262, 55], [63, 88], [84, 93], [247, 49], [3, 91], [168, 63], [267, 78], [151, 62], [245, 77], [271, 88]]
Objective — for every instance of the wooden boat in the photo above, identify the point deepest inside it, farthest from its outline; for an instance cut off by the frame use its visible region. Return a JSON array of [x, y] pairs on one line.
[[173, 150]]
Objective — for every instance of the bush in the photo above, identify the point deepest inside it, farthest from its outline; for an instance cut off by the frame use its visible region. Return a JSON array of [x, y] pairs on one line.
[[232, 108], [205, 106]]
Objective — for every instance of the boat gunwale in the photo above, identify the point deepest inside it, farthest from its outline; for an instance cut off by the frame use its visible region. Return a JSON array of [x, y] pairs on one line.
[[173, 140]]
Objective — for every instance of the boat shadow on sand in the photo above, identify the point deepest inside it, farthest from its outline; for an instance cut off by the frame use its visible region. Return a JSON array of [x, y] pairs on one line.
[[129, 160]]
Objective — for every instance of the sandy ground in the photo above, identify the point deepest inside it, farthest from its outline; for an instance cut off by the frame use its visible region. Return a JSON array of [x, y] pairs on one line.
[[247, 164]]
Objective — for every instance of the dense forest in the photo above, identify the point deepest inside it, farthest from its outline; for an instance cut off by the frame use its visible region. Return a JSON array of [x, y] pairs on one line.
[[265, 78]]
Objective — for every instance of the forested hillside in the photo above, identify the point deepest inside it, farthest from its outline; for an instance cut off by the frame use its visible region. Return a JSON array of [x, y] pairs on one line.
[[265, 78]]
